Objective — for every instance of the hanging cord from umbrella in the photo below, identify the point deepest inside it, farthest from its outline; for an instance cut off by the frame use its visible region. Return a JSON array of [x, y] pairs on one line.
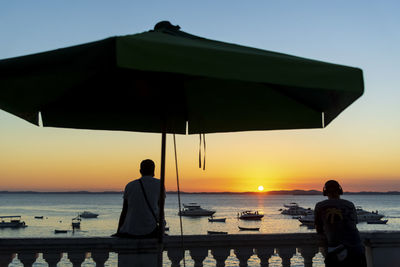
[[179, 201], [204, 151]]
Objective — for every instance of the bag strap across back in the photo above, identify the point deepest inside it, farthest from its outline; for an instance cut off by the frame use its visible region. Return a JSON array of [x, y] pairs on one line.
[[147, 201]]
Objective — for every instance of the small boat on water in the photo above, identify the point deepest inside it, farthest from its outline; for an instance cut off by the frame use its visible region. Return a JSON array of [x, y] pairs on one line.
[[88, 214], [249, 228], [60, 231], [76, 223], [250, 215], [377, 222], [217, 233], [194, 210], [11, 222], [212, 219]]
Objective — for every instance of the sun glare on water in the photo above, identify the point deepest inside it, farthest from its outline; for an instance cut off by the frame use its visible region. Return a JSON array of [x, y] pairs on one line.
[[260, 188]]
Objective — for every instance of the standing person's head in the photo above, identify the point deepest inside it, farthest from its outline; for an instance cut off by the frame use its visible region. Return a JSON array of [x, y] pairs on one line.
[[147, 167], [332, 189]]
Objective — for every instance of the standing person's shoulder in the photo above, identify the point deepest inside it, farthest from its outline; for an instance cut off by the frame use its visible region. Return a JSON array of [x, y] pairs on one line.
[[321, 204], [348, 203]]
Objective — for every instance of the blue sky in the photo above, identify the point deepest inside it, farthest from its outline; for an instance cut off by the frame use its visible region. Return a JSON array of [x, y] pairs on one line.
[[364, 34]]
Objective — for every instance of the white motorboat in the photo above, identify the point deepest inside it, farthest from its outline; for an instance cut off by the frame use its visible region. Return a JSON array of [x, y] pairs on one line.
[[294, 209], [291, 205], [11, 222], [307, 219], [362, 216], [191, 205], [250, 215], [377, 221], [193, 209], [365, 216], [88, 214]]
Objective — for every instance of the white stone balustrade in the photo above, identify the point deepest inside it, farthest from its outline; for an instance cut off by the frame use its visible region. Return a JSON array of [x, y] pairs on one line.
[[383, 249]]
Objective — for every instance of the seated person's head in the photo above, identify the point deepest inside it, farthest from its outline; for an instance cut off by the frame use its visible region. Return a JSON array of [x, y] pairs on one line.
[[147, 167], [332, 189]]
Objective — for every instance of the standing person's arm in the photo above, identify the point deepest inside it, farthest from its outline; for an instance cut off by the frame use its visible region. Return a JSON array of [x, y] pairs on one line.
[[123, 215], [354, 214], [317, 220]]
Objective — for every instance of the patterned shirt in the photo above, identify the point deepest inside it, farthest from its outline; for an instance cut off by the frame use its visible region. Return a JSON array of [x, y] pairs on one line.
[[337, 219]]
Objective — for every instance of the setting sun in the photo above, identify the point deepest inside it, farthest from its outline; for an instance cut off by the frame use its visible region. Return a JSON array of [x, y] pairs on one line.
[[260, 188]]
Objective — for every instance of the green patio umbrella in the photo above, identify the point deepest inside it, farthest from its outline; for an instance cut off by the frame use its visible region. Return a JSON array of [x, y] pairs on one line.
[[168, 81]]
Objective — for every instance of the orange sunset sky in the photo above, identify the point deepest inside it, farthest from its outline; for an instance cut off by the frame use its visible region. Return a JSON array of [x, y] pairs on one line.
[[360, 148]]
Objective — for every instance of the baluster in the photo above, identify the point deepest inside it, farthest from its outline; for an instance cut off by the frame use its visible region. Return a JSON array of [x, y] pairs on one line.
[[323, 251], [6, 259], [52, 258], [27, 258], [308, 254], [77, 258], [198, 255], [286, 254], [264, 254], [220, 255], [243, 254], [100, 257], [175, 255]]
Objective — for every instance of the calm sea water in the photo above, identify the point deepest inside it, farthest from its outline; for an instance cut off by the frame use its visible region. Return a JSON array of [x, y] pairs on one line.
[[59, 209]]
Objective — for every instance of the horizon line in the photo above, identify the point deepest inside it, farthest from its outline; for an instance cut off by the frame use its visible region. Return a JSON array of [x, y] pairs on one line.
[[276, 192]]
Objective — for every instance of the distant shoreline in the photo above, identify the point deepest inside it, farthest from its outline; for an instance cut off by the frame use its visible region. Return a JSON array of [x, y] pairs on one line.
[[279, 192]]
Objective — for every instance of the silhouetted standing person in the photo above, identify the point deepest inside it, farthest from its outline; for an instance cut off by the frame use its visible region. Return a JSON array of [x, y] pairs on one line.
[[336, 219], [141, 199]]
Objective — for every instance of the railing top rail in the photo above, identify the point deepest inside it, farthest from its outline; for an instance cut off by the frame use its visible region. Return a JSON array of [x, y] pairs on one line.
[[190, 241]]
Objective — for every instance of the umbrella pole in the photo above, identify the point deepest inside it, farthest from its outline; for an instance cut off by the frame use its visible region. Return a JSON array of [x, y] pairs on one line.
[[162, 194]]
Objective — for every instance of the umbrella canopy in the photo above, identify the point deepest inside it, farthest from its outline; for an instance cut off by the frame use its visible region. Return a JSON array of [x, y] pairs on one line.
[[164, 80]]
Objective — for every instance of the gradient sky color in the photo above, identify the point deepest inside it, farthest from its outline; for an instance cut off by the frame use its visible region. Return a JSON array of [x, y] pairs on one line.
[[360, 148]]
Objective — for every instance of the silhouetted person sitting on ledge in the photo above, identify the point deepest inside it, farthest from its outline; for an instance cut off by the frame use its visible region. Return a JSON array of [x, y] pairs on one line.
[[336, 219], [141, 199]]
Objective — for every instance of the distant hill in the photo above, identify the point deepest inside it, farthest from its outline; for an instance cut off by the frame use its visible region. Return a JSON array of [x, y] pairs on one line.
[[60, 192]]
